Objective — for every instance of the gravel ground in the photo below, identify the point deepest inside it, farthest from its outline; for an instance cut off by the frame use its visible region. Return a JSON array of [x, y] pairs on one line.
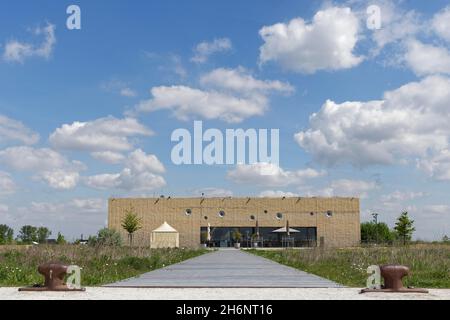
[[102, 293]]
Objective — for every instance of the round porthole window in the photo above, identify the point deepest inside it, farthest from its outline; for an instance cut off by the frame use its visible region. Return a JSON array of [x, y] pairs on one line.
[[188, 212], [329, 213], [252, 217], [221, 213], [279, 216], [311, 213], [205, 217], [265, 211]]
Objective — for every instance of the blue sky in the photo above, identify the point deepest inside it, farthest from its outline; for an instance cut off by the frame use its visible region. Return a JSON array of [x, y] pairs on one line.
[[88, 114]]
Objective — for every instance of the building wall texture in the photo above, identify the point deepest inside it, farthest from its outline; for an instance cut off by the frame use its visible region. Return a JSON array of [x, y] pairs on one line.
[[341, 229]]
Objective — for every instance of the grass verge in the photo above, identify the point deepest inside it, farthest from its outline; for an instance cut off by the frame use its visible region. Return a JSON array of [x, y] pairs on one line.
[[100, 265], [429, 264]]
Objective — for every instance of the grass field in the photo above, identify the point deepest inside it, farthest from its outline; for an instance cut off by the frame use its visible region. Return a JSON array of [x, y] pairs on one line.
[[429, 264], [100, 265]]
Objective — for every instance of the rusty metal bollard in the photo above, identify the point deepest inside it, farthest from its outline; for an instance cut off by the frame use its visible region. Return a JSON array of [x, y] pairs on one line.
[[54, 274], [393, 275]]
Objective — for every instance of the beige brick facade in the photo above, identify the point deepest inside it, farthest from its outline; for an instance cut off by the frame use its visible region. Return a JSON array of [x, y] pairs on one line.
[[339, 228]]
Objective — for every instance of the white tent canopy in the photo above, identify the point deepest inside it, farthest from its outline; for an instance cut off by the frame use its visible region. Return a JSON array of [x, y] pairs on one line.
[[283, 230], [165, 236], [165, 227]]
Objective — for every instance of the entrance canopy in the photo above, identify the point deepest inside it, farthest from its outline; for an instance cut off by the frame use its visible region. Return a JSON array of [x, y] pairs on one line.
[[283, 230]]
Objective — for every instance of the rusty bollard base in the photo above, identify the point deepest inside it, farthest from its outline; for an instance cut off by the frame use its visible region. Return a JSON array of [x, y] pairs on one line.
[[54, 274], [393, 275]]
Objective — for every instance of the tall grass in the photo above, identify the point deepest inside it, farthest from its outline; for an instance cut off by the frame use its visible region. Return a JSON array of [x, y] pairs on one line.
[[100, 265], [429, 264]]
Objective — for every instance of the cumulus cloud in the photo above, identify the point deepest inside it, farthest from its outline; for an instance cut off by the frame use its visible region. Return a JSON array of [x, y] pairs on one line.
[[120, 87], [68, 216], [425, 59], [105, 138], [410, 122], [268, 174], [221, 99], [326, 43], [277, 193], [127, 92], [141, 173], [213, 192], [436, 166], [204, 49], [396, 25], [399, 196], [13, 130], [344, 188], [16, 51], [7, 185], [441, 23], [46, 165], [108, 156], [240, 80], [437, 209]]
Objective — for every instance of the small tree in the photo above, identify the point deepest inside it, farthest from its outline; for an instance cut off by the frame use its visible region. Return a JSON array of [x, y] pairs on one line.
[[131, 223], [60, 239], [237, 236], [42, 234], [404, 227], [445, 239], [28, 234], [6, 234], [372, 232], [106, 237]]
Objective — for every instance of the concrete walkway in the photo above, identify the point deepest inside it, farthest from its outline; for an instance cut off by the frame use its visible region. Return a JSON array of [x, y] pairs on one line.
[[227, 269]]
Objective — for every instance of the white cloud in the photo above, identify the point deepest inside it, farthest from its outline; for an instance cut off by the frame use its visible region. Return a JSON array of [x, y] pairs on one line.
[[7, 185], [441, 23], [31, 159], [399, 196], [410, 122], [90, 205], [438, 209], [61, 179], [16, 51], [239, 80], [177, 66], [13, 130], [71, 216], [108, 156], [103, 181], [327, 43], [437, 166], [213, 192], [344, 188], [277, 194], [226, 101], [396, 25], [4, 209], [128, 92], [141, 173], [204, 49], [269, 174], [46, 164], [139, 161], [426, 59], [120, 87], [104, 134]]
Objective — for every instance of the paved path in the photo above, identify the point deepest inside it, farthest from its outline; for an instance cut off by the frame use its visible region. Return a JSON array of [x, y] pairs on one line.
[[202, 294], [227, 269]]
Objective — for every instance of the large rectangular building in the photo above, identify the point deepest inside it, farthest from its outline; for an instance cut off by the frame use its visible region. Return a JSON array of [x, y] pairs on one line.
[[330, 222]]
